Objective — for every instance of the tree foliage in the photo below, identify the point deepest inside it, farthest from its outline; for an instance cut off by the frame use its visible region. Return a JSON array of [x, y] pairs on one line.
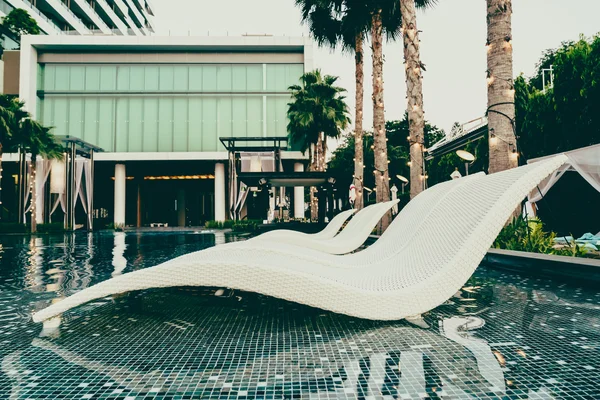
[[341, 165], [317, 107], [19, 22], [17, 129], [566, 116]]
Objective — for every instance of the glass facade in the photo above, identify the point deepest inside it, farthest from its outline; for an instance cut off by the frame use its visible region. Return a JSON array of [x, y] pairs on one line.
[[165, 108]]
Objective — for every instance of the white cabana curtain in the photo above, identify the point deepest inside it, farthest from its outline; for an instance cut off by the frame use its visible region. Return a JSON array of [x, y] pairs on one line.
[[83, 187], [233, 189], [78, 174], [89, 191], [57, 185], [42, 169], [27, 183], [250, 162], [83, 190], [585, 161]]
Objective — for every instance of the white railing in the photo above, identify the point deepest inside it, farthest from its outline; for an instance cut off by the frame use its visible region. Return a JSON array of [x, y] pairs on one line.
[[92, 14], [5, 7], [112, 15], [31, 8], [59, 6]]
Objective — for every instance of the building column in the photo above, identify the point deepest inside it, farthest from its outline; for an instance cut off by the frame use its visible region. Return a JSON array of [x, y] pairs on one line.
[[220, 192], [120, 189], [299, 195]]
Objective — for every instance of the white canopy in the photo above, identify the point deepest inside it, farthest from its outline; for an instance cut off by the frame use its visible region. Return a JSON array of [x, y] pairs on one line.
[[586, 161]]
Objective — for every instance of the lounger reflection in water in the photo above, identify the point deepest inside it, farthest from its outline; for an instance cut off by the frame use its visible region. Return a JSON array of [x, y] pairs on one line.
[[401, 275], [355, 233]]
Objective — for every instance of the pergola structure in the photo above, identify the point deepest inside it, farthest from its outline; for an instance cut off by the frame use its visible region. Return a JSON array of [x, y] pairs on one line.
[[66, 178], [468, 132], [256, 163]]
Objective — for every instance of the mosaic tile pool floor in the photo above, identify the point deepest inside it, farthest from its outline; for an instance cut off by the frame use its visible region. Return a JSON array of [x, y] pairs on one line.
[[503, 336]]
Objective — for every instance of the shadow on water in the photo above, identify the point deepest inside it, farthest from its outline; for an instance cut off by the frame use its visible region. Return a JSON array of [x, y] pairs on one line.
[[498, 337]]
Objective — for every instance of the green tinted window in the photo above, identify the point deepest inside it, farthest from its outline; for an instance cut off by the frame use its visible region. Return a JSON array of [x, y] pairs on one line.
[[162, 108]]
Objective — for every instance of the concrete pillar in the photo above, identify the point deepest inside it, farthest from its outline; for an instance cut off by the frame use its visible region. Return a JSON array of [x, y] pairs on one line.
[[120, 189], [181, 207], [299, 194], [220, 192]]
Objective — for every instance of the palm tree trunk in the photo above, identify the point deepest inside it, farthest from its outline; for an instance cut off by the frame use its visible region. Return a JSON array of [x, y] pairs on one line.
[[33, 179], [1, 154], [358, 123], [314, 203], [501, 94], [414, 92], [324, 152], [380, 143]]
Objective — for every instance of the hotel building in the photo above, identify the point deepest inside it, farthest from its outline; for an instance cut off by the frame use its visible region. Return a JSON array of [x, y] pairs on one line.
[[157, 107], [87, 17]]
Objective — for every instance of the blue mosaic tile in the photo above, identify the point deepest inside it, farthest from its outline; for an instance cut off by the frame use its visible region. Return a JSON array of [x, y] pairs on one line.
[[502, 336]]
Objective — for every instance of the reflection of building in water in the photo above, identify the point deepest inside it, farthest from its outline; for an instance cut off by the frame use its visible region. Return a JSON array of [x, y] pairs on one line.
[[34, 275], [119, 261]]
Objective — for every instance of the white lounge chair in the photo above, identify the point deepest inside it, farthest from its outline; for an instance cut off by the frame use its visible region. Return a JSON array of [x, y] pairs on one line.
[[405, 276], [332, 229], [355, 233]]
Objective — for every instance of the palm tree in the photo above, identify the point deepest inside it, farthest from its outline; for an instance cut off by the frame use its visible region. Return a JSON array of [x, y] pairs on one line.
[[11, 112], [331, 25], [318, 111], [414, 91], [501, 92], [354, 19], [37, 139], [381, 173]]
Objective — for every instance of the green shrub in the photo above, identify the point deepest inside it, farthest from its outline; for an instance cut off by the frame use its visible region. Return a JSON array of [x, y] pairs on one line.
[[13, 227], [248, 225], [529, 235], [219, 224], [115, 227], [55, 227]]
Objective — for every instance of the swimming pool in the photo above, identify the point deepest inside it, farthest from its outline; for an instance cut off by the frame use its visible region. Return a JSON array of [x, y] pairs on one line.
[[501, 336]]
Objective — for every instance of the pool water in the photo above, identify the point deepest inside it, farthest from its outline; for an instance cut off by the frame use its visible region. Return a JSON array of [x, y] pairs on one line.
[[501, 336]]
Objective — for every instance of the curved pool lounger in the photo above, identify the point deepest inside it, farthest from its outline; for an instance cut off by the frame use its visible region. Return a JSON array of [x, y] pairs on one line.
[[332, 228], [355, 233], [436, 259]]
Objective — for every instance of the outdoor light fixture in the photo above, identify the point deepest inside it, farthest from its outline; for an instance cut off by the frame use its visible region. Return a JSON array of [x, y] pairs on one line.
[[262, 181], [331, 180], [468, 157], [176, 177], [369, 191], [403, 180]]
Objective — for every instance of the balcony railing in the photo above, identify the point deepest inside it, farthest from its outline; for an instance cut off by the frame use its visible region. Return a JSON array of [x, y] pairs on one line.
[[91, 12], [38, 13], [65, 7], [5, 7]]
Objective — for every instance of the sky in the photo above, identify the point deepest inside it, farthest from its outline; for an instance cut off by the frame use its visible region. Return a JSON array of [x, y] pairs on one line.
[[452, 46]]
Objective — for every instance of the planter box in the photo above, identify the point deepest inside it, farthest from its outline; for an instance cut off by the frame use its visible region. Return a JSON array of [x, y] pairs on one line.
[[580, 270]]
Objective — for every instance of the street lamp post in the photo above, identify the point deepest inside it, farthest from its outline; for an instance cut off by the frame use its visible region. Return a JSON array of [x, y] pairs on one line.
[[403, 180], [468, 157], [369, 191]]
